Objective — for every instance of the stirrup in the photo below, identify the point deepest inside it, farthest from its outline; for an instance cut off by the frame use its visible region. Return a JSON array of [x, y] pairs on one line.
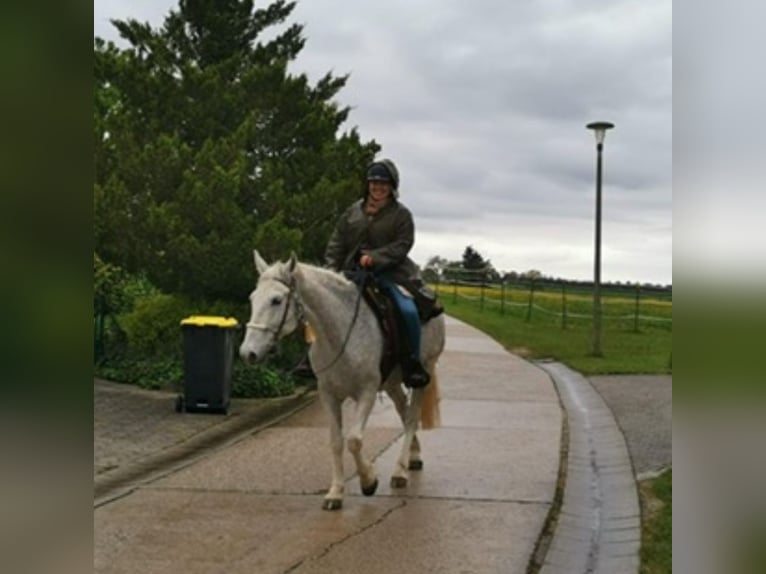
[[414, 375]]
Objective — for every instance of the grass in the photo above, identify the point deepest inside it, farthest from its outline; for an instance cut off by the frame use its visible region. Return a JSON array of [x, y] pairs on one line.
[[657, 524], [624, 351]]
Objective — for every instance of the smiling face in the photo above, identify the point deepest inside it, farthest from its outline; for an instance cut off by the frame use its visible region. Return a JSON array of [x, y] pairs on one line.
[[379, 191], [378, 196]]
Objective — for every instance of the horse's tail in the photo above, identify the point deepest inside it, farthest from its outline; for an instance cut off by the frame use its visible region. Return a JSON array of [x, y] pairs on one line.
[[430, 417]]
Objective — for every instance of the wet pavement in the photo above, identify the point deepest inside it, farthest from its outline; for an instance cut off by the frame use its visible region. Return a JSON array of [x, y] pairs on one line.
[[138, 434], [242, 492]]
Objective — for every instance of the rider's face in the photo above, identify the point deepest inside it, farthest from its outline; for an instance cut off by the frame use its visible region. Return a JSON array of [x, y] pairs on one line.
[[379, 190]]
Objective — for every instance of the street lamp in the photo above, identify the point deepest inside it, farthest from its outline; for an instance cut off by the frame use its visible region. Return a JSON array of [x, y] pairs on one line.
[[599, 129]]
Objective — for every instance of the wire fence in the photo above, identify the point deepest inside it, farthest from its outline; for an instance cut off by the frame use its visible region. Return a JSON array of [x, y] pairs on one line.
[[633, 306]]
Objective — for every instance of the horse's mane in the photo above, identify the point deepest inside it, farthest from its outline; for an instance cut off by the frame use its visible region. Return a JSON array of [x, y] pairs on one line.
[[326, 276], [323, 275]]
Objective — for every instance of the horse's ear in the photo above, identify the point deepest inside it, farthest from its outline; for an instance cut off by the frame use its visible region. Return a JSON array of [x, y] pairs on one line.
[[292, 261], [260, 264]]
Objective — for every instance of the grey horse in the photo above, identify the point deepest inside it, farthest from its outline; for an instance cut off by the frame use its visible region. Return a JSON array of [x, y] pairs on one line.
[[345, 358]]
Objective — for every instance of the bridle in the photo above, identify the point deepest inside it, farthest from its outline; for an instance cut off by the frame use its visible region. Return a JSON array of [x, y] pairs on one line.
[[277, 333]]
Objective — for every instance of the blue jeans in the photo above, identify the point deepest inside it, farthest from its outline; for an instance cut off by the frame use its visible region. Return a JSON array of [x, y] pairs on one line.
[[408, 311]]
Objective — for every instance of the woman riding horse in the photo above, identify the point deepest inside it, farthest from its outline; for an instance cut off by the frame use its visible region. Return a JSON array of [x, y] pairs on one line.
[[376, 233]]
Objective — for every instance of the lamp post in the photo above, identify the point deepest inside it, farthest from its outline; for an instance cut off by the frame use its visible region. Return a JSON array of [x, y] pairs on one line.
[[599, 129]]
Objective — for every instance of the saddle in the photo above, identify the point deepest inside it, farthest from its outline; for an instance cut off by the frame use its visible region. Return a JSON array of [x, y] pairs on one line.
[[394, 332]]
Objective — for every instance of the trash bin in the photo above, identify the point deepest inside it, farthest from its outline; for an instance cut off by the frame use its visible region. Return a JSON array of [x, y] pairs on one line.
[[208, 353]]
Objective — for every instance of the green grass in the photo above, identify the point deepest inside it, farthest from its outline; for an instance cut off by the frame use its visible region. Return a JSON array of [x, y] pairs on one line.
[[657, 524], [624, 351]]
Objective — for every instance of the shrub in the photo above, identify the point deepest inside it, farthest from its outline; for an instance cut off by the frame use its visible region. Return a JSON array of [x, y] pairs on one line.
[[148, 373], [153, 326], [145, 346], [249, 381], [116, 291]]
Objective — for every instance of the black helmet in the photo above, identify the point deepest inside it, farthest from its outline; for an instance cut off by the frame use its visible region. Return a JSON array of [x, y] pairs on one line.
[[384, 170]]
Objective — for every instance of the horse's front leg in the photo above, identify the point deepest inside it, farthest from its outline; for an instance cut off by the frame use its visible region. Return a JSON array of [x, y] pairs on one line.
[[366, 470], [333, 500], [400, 475]]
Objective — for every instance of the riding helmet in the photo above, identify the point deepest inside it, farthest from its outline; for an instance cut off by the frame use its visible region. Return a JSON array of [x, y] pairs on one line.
[[384, 170]]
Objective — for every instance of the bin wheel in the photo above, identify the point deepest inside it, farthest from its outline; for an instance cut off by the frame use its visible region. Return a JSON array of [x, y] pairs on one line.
[[179, 404]]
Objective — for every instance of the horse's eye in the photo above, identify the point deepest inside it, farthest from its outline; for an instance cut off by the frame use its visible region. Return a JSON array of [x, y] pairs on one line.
[[276, 301]]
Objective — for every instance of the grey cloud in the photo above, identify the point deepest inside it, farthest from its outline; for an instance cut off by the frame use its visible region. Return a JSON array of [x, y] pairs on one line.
[[483, 106]]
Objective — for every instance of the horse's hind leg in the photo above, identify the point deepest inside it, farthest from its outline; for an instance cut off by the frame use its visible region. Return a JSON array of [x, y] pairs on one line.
[[333, 500], [399, 398], [416, 463], [366, 470], [400, 475]]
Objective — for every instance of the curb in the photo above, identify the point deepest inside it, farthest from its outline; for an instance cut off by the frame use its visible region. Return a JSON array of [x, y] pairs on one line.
[[121, 481], [598, 527]]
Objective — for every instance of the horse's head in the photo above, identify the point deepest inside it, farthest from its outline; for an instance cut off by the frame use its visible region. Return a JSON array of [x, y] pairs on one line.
[[274, 309]]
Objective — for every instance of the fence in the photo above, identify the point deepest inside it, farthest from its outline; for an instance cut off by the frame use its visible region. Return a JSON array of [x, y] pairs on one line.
[[566, 302]]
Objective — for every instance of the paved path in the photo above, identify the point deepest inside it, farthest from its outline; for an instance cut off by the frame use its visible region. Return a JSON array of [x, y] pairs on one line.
[[241, 493], [478, 505], [138, 435]]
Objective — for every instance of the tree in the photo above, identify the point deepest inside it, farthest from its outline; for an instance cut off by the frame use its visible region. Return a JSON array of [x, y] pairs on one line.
[[531, 275], [472, 259], [205, 147], [434, 268]]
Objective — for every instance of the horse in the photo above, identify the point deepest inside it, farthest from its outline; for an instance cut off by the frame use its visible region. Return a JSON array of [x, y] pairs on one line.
[[345, 358]]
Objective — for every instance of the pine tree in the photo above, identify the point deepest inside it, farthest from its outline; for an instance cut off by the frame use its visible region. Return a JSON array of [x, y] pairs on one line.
[[206, 147], [472, 259]]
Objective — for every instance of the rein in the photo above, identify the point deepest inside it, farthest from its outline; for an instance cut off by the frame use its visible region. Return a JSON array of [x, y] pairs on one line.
[[276, 333], [348, 334]]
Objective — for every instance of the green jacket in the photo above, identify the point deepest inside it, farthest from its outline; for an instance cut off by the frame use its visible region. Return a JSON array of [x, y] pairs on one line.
[[387, 236]]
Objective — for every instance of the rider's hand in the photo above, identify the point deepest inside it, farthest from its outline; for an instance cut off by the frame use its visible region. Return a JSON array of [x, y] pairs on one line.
[[365, 260]]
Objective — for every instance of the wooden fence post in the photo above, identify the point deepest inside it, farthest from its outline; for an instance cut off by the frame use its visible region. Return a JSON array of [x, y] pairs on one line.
[[531, 298], [502, 297]]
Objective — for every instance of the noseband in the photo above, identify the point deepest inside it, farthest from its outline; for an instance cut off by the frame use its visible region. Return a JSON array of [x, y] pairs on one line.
[[277, 333], [301, 318]]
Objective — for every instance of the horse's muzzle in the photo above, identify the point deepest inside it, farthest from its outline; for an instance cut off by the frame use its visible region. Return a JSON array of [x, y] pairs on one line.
[[249, 357]]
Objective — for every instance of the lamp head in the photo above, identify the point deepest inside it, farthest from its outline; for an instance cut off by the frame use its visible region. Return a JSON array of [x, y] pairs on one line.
[[599, 129]]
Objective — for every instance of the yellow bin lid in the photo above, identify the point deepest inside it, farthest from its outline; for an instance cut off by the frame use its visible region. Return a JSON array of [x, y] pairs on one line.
[[209, 321]]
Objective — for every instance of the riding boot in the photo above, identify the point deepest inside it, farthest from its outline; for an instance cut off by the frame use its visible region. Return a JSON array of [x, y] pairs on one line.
[[413, 373]]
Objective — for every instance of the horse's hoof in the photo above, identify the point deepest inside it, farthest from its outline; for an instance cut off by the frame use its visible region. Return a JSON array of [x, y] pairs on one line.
[[416, 465], [370, 490], [398, 482], [332, 504]]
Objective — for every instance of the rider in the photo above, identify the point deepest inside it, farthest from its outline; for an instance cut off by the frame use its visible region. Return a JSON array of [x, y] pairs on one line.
[[377, 232]]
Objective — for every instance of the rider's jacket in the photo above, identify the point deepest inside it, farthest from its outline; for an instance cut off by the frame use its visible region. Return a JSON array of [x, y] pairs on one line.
[[387, 236]]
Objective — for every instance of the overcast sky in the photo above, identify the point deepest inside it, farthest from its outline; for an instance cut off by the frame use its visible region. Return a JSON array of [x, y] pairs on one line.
[[483, 107]]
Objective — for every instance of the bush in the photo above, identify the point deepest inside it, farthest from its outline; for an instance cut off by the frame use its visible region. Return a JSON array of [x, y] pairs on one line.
[[251, 381], [145, 342], [149, 373], [116, 291], [157, 373], [153, 326]]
